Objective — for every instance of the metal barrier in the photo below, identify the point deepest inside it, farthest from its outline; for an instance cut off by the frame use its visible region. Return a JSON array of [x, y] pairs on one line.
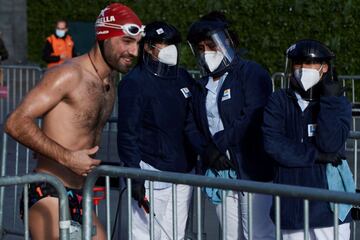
[[278, 80], [19, 80], [201, 181], [64, 214]]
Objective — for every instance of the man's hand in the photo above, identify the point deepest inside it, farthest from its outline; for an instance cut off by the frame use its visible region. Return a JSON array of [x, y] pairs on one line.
[[213, 158], [138, 191], [81, 162], [334, 158]]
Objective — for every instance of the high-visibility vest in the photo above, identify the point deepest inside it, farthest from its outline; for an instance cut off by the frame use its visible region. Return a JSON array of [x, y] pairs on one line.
[[61, 46]]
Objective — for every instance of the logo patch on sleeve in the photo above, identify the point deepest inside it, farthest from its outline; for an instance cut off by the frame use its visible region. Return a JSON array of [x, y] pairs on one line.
[[185, 91]]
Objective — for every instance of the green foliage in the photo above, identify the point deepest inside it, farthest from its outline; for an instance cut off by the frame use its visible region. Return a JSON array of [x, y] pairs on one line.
[[265, 28]]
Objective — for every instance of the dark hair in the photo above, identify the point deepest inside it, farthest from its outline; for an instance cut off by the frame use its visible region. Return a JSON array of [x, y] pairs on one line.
[[215, 16], [199, 30], [61, 20]]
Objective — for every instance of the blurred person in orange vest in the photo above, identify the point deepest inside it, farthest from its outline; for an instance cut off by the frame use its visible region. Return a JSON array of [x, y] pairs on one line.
[[59, 46]]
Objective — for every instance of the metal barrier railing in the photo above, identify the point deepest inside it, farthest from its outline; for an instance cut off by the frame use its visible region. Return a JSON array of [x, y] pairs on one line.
[[251, 187], [16, 152], [64, 214], [18, 80]]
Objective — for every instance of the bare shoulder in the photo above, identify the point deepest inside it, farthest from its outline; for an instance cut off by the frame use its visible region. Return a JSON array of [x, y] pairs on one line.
[[66, 76]]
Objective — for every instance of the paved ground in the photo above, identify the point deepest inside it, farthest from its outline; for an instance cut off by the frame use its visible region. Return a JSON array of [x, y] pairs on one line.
[[108, 153]]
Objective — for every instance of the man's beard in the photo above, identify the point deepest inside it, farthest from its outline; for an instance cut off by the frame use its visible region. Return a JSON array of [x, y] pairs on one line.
[[113, 60]]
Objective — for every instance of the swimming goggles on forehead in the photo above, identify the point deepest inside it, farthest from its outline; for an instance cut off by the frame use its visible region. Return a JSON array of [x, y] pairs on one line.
[[131, 29]]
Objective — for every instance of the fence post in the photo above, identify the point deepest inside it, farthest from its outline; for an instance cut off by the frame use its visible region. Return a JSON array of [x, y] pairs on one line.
[[64, 213], [2, 189]]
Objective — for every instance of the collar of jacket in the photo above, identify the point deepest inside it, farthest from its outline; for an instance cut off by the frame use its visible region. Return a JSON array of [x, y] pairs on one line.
[[291, 94], [236, 63]]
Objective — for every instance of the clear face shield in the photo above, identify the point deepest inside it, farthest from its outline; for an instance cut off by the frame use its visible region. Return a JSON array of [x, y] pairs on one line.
[[161, 59], [214, 53]]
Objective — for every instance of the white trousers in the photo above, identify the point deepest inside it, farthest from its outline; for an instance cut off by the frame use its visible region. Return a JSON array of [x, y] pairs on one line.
[[237, 216], [326, 233], [163, 212]]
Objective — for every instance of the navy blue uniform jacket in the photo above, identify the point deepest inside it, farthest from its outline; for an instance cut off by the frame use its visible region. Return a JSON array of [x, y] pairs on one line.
[[155, 123], [247, 87], [287, 140]]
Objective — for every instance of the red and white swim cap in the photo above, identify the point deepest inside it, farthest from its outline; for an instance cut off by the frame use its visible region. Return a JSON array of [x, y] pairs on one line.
[[117, 20]]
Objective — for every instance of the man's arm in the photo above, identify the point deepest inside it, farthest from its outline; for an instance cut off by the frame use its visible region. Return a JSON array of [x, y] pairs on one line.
[[333, 123], [52, 89], [47, 53], [257, 90], [285, 151]]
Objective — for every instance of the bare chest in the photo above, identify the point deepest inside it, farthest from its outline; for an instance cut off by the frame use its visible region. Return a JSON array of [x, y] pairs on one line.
[[92, 104]]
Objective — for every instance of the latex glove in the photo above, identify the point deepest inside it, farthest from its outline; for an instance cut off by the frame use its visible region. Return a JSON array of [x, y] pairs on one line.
[[334, 158], [138, 191], [213, 158], [331, 86]]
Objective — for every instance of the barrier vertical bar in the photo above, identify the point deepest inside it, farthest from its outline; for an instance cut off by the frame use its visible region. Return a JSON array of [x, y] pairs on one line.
[[353, 90], [107, 195], [198, 217], [355, 161], [26, 211], [277, 218], [27, 160], [13, 88], [2, 189], [174, 212], [128, 181], [27, 81], [9, 89], [336, 222], [250, 215], [223, 214], [21, 83], [16, 174], [152, 214], [354, 224], [306, 219], [108, 142]]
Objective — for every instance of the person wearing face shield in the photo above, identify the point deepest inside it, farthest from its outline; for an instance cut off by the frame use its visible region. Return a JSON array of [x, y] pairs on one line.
[[305, 129], [228, 107], [59, 46], [156, 130]]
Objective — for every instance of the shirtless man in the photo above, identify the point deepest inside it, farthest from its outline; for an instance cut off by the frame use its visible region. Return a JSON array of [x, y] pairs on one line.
[[74, 100]]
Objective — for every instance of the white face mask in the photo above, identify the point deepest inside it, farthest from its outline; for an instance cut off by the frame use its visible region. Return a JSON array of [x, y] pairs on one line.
[[307, 77], [168, 55], [60, 33], [213, 59]]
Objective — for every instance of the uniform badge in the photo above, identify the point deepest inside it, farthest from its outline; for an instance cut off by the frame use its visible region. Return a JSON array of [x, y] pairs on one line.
[[311, 130], [226, 95], [185, 91]]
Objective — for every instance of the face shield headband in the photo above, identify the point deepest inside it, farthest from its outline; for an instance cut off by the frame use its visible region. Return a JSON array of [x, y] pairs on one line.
[[215, 53]]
